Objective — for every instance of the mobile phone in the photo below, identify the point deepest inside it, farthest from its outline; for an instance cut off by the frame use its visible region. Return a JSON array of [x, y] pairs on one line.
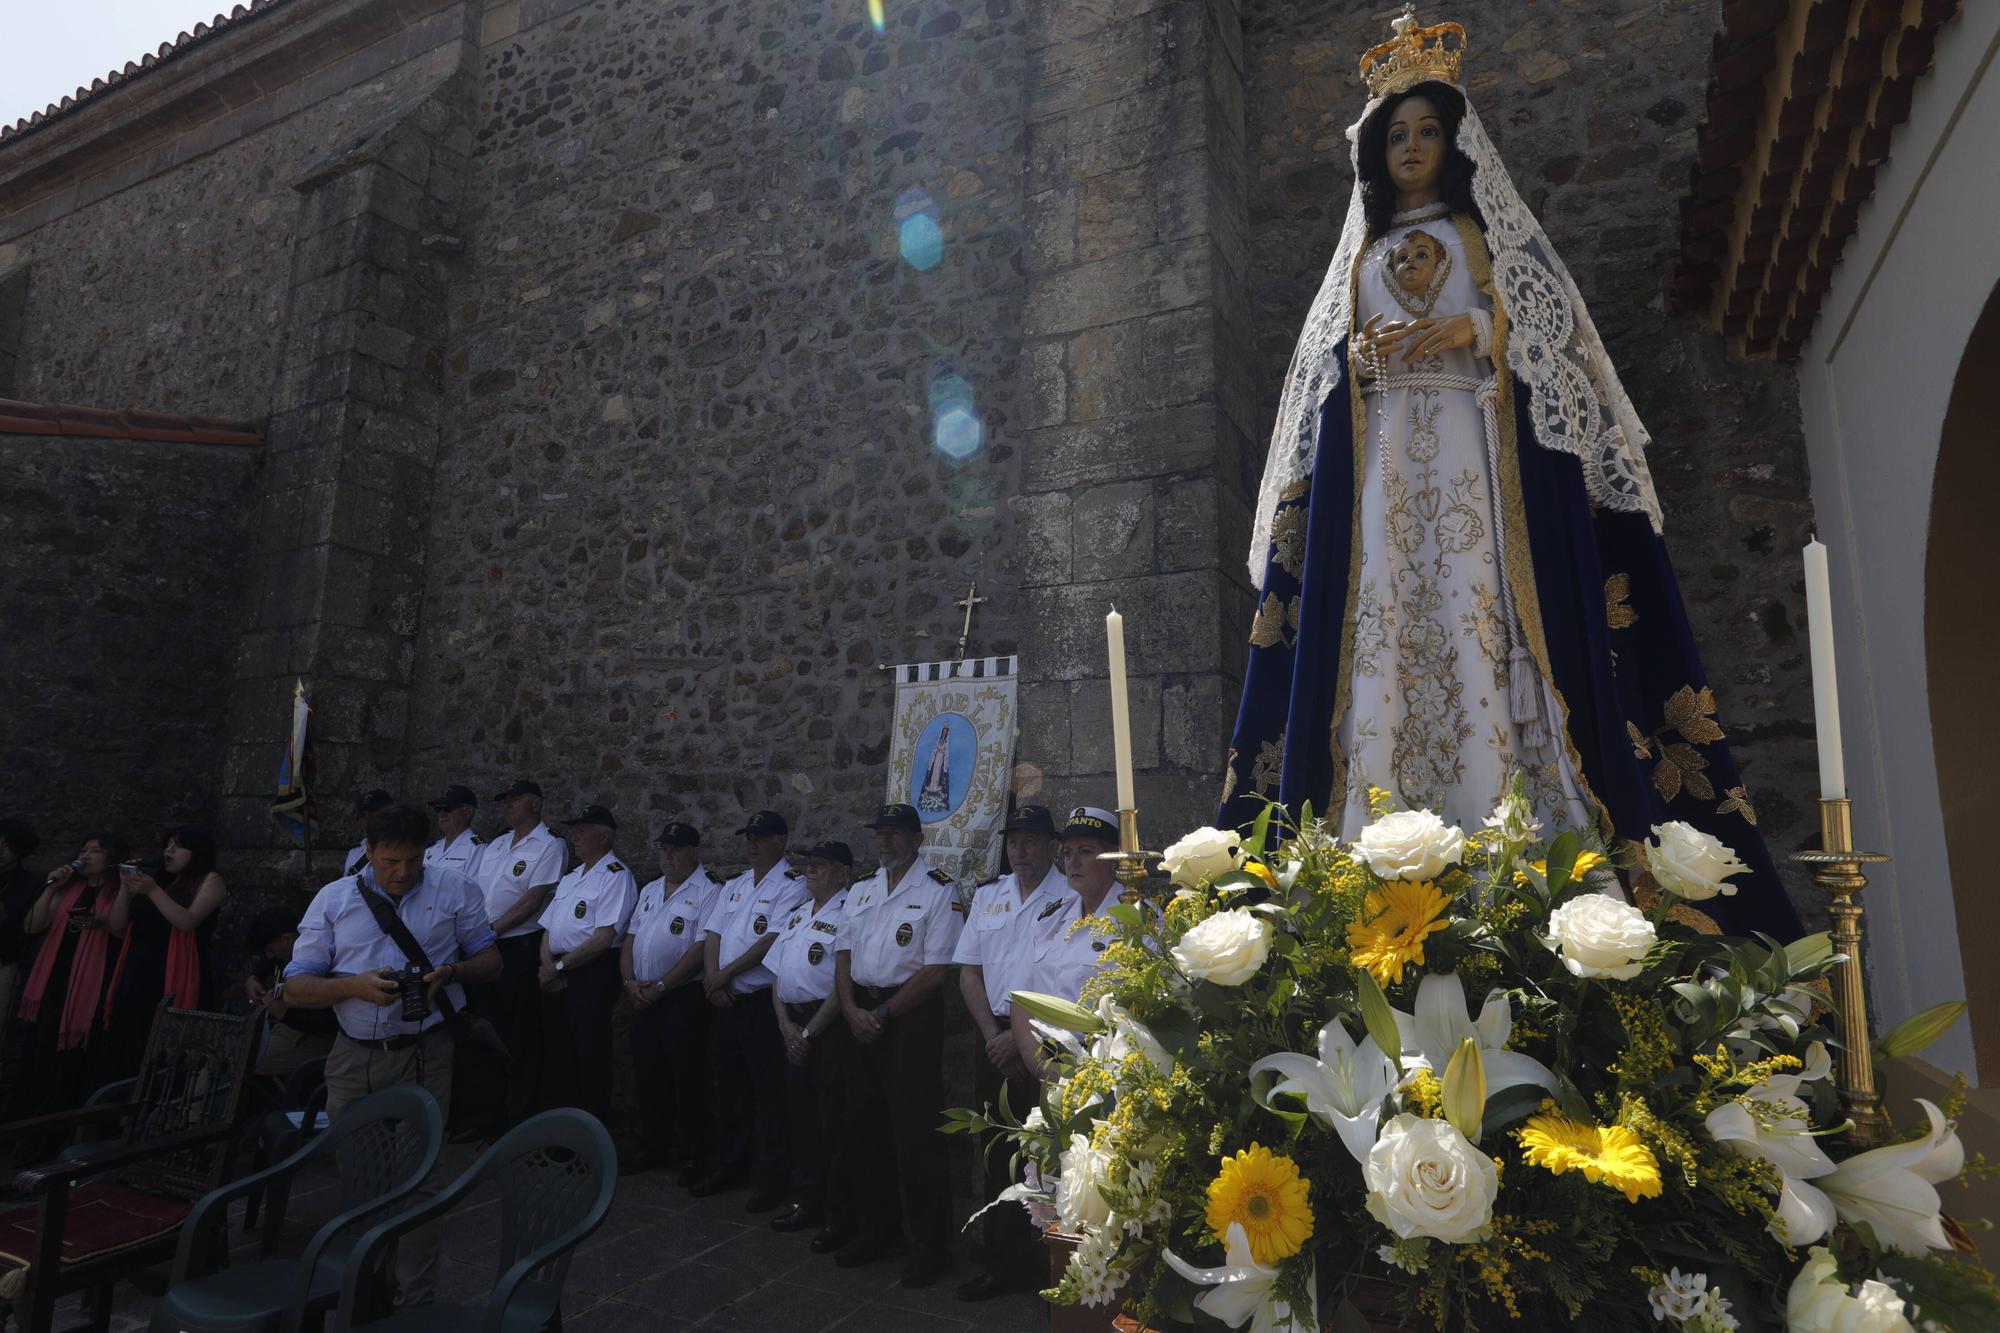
[[129, 868]]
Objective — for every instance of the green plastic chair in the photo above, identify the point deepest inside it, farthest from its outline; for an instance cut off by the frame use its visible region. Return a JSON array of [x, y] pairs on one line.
[[555, 1174], [382, 1148]]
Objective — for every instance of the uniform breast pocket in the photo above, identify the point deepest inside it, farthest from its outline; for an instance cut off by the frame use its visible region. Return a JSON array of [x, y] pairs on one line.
[[991, 920]]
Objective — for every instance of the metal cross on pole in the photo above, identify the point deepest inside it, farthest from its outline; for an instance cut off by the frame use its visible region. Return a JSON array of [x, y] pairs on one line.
[[970, 600]]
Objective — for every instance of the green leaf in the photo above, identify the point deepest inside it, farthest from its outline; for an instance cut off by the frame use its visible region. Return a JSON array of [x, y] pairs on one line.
[[1812, 952], [1238, 879], [1129, 917], [1378, 1017], [1260, 832], [1059, 1012], [1508, 1105], [1348, 1319], [1918, 1031], [1562, 860]]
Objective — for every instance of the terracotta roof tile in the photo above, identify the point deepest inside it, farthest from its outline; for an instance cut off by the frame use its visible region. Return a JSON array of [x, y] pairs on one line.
[[19, 418], [168, 50]]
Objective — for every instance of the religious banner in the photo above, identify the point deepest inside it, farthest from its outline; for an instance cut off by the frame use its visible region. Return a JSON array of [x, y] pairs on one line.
[[292, 809], [952, 748]]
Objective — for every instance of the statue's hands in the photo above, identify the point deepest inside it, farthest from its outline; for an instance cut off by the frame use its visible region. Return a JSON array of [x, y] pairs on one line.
[[1368, 345], [1424, 337]]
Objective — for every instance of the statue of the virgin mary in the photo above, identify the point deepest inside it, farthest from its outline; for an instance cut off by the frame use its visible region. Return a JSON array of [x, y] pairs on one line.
[[1458, 557]]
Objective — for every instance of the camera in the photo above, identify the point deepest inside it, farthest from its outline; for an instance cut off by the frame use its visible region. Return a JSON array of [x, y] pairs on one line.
[[410, 984]]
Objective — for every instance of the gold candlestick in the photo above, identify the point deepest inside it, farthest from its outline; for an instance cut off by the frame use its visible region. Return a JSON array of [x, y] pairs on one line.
[[1132, 862], [1837, 870]]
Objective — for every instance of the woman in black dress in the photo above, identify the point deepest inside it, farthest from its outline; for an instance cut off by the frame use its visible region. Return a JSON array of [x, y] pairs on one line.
[[64, 993], [166, 953]]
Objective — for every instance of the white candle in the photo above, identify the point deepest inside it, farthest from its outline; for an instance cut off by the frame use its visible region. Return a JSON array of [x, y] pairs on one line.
[[1826, 691], [1121, 711]]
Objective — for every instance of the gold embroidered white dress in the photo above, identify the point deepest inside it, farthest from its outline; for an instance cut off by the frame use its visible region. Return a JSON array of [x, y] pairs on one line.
[[1445, 705]]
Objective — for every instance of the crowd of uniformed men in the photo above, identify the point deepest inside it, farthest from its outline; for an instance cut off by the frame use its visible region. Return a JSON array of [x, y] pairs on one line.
[[787, 1025]]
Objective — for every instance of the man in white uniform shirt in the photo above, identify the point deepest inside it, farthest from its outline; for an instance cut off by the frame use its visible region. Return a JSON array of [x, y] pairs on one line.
[[993, 955], [818, 1052], [1063, 955], [749, 1057], [894, 948], [367, 804], [661, 961], [345, 960], [457, 847], [517, 871], [579, 973]]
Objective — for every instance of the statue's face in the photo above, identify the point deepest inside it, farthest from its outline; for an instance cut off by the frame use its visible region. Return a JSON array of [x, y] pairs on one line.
[[1416, 148], [1414, 262]]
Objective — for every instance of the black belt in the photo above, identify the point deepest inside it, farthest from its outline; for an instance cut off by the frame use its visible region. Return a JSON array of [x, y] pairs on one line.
[[871, 996], [802, 1011], [402, 1042]]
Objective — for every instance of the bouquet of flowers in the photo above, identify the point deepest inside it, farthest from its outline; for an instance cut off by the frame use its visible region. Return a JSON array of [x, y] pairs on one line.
[[1454, 1077]]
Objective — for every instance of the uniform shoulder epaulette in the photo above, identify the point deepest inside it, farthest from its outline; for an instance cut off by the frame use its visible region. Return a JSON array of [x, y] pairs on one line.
[[794, 874], [478, 841], [940, 876], [615, 867]]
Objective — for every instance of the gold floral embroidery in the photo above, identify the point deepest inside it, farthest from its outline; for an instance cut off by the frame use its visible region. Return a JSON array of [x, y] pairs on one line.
[[1737, 801], [1372, 623], [1681, 766], [1274, 617], [1228, 777], [1617, 591], [1297, 490], [1270, 765], [1482, 624], [1288, 540]]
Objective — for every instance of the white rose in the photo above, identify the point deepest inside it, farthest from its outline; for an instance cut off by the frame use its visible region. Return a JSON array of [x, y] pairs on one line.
[[1818, 1302], [1227, 949], [1425, 1179], [1201, 856], [1599, 936], [1079, 1198], [1690, 863], [1410, 844]]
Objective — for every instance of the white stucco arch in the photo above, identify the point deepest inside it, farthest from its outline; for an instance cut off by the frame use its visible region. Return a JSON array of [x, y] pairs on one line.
[[1874, 383]]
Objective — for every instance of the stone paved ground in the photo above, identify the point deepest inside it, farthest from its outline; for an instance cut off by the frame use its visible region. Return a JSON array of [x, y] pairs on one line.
[[664, 1262]]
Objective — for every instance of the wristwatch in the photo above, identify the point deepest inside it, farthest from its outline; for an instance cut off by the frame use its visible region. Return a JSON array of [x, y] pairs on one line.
[[559, 963], [882, 1013]]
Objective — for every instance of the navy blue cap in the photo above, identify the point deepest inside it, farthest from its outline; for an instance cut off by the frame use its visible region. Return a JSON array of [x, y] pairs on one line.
[[1088, 821], [837, 852], [593, 814], [519, 787], [678, 834], [1031, 819], [896, 815], [765, 824], [456, 795]]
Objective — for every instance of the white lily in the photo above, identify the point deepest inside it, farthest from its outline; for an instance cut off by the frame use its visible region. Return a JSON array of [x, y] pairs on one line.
[[1443, 1020], [1124, 1035], [1242, 1290], [1781, 1135], [1343, 1089], [1894, 1188]]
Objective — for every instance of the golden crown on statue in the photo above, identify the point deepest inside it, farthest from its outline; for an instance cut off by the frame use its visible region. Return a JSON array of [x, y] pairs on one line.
[[1414, 55]]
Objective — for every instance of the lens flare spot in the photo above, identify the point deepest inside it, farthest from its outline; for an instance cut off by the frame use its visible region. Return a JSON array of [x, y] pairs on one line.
[[956, 429], [918, 235], [876, 15]]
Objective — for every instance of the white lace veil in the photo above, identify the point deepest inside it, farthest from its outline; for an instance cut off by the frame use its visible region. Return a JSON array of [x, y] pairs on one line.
[[1578, 405]]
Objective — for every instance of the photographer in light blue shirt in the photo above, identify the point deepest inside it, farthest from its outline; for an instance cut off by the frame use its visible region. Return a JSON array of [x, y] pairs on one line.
[[392, 1024]]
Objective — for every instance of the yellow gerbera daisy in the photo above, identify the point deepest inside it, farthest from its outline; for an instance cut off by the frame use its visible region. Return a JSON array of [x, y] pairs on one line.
[[1585, 863], [1255, 867], [1400, 915], [1264, 1194], [1606, 1154]]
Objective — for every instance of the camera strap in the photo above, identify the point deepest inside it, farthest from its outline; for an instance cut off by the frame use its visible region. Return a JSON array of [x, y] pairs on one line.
[[399, 933]]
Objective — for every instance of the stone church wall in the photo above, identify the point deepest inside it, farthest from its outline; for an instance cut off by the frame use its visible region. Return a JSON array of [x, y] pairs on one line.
[[1594, 115], [741, 282], [118, 596]]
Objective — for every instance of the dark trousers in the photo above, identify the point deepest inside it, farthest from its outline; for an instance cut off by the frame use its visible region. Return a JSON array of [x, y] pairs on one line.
[[816, 1097], [577, 1037], [495, 1094], [750, 1089], [893, 1117], [1010, 1246], [670, 1068]]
